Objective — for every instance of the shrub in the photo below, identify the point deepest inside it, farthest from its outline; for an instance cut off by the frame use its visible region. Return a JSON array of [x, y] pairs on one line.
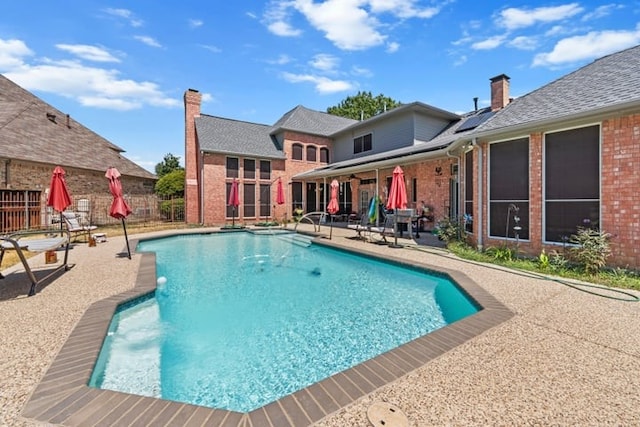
[[592, 249], [500, 253], [447, 230], [172, 209]]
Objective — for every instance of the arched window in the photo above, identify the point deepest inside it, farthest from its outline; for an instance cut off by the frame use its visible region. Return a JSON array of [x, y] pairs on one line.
[[296, 151], [312, 153], [324, 155]]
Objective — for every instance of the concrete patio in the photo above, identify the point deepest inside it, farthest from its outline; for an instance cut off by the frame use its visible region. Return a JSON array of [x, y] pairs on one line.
[[565, 358]]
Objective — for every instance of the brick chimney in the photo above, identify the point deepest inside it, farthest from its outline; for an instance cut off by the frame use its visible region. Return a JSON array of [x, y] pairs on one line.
[[192, 202], [499, 92]]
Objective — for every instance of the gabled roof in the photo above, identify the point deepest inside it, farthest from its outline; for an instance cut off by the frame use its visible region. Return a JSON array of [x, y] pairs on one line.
[[32, 130], [302, 119], [220, 135], [607, 83]]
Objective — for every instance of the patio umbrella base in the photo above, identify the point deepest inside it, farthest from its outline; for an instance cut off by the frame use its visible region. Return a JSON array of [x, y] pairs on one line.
[[395, 246]]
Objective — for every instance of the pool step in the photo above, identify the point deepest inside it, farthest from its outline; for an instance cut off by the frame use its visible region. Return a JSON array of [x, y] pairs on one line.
[[296, 239]]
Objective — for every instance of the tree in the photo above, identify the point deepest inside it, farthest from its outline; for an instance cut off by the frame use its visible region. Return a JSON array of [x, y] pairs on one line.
[[168, 165], [171, 184], [362, 106]]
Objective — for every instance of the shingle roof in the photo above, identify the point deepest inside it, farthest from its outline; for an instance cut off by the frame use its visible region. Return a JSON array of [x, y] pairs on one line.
[[32, 130], [220, 135], [606, 82], [302, 119]]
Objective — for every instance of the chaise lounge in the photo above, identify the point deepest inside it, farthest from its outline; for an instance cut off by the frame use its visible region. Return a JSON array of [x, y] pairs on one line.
[[25, 241], [73, 225]]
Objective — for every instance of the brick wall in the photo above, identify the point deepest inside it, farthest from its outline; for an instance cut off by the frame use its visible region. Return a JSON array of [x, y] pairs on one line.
[[192, 100]]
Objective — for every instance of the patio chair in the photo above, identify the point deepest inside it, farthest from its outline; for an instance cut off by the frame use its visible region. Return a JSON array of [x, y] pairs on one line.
[[379, 234], [72, 221], [25, 241], [360, 226]]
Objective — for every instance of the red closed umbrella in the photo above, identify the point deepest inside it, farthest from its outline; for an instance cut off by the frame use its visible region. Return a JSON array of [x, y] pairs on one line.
[[333, 207], [119, 207], [234, 200], [397, 197], [59, 197], [280, 193]]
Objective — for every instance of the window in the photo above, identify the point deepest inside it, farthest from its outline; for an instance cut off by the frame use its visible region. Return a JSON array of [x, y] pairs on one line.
[[249, 169], [468, 191], [362, 143], [232, 167], [232, 211], [296, 151], [324, 155], [249, 198], [312, 153], [509, 189], [571, 182], [265, 169]]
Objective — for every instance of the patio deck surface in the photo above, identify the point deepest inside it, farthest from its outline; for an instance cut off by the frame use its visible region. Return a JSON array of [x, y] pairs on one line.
[[542, 353]]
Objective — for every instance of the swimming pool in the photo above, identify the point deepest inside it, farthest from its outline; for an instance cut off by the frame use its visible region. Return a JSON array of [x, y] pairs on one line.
[[282, 316]]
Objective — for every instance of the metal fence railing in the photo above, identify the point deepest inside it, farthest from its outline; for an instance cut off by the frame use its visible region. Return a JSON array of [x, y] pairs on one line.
[[23, 210]]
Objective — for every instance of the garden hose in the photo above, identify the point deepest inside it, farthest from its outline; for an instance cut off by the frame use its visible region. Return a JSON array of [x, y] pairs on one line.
[[627, 296]]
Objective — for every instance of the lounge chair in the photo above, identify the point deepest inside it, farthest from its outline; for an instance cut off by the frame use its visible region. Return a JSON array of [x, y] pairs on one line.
[[25, 241], [382, 231], [72, 222], [360, 226]]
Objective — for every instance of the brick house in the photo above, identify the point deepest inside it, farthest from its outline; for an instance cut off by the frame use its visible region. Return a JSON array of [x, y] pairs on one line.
[[523, 172], [35, 137]]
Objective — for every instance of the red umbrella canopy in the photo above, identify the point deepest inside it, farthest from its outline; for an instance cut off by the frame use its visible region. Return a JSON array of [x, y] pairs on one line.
[[59, 197], [280, 193], [119, 207], [234, 197], [333, 207], [398, 193]]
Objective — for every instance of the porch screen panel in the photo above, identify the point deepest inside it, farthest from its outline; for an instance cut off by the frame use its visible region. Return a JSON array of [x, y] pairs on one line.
[[265, 200], [249, 169], [468, 189], [509, 186], [572, 182], [249, 200], [296, 196], [265, 169], [229, 211]]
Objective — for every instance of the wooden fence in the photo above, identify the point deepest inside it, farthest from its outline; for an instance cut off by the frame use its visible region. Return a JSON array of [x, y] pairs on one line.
[[26, 209]]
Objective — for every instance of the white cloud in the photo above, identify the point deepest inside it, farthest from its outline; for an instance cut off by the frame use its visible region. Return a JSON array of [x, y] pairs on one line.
[[601, 11], [524, 43], [392, 47], [513, 18], [88, 52], [90, 86], [282, 59], [403, 8], [462, 59], [589, 46], [324, 62], [359, 71], [149, 41], [12, 53], [195, 23], [211, 48], [323, 85], [490, 43], [348, 24], [207, 97], [125, 14]]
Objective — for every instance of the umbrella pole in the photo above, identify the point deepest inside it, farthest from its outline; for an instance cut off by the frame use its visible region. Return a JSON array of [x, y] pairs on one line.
[[124, 227], [233, 218], [331, 229]]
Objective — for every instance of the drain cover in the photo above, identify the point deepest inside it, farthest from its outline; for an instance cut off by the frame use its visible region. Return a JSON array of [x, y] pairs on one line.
[[383, 414]]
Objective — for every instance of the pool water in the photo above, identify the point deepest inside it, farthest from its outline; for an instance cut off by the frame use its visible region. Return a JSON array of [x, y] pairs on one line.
[[245, 319]]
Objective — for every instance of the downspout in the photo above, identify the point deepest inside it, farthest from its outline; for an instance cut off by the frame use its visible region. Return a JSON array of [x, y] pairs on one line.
[[201, 187], [480, 197], [458, 159]]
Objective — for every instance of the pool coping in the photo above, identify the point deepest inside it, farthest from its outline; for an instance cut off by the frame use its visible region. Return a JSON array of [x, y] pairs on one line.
[[63, 396]]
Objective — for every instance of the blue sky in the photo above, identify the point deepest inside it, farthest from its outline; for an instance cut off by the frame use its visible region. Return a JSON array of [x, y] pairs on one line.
[[121, 68]]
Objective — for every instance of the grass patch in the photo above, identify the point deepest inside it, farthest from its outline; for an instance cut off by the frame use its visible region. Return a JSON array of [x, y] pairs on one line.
[[613, 277]]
